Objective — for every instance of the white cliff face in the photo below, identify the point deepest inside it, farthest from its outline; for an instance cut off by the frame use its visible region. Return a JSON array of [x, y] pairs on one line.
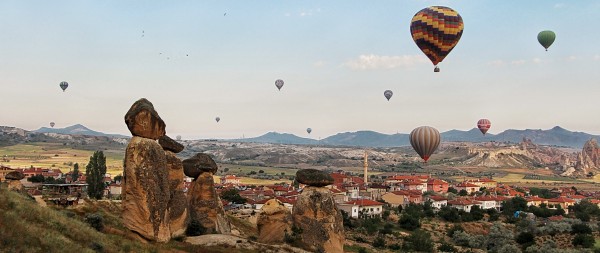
[[589, 158]]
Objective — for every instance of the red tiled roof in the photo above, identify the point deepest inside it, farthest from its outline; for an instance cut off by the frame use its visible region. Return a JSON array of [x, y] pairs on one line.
[[433, 181], [577, 197], [462, 202], [485, 198], [364, 202], [555, 218], [594, 201], [466, 184], [561, 200], [437, 198], [535, 198]]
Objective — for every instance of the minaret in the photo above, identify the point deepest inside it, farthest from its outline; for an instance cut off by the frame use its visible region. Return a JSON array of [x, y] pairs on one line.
[[366, 166]]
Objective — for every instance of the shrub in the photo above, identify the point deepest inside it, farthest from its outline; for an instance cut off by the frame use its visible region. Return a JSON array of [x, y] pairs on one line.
[[362, 250], [395, 246], [456, 227], [525, 239], [446, 247], [419, 240], [584, 240], [580, 229], [95, 220], [195, 228], [409, 222], [379, 242]]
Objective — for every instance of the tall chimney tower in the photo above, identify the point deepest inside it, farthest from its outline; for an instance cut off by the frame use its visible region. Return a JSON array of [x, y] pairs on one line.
[[366, 166]]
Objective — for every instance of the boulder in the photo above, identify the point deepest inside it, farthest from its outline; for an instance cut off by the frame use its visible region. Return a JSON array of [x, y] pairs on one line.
[[205, 206], [313, 177], [193, 166], [274, 221], [15, 175], [319, 221], [146, 190], [15, 185], [143, 121], [169, 144], [178, 205]]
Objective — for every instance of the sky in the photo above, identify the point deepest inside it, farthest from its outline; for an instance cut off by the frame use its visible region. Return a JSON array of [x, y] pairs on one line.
[[196, 60]]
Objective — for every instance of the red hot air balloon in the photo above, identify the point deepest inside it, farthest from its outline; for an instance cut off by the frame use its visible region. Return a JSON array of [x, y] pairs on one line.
[[484, 125], [425, 140]]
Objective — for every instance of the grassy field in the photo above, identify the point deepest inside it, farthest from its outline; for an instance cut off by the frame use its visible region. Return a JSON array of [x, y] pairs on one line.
[[55, 155], [242, 169]]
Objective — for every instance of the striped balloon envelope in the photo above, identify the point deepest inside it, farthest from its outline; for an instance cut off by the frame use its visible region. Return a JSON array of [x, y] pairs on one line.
[[425, 140], [484, 125], [436, 30]]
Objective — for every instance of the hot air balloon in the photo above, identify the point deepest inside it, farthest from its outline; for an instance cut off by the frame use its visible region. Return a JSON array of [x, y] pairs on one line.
[[436, 30], [308, 130], [178, 137], [484, 125], [218, 119], [51, 124], [425, 141], [63, 85], [388, 94], [279, 83], [546, 38]]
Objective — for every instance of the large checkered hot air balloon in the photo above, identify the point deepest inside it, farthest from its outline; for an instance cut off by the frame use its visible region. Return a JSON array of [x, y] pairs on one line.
[[484, 125], [436, 30], [425, 140]]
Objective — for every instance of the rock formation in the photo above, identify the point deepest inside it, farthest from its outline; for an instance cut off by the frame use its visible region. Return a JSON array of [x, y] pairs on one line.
[[143, 121], [320, 223], [146, 179], [169, 144], [178, 205], [313, 177], [14, 180], [205, 206], [589, 158], [274, 221], [193, 166]]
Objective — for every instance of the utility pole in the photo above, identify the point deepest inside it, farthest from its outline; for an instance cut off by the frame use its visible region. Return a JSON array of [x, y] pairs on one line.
[[366, 166]]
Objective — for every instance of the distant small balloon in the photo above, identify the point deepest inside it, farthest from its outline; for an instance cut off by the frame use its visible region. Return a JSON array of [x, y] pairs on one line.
[[484, 125], [218, 119], [178, 137], [546, 38], [388, 94], [51, 124], [63, 85], [308, 130], [279, 83]]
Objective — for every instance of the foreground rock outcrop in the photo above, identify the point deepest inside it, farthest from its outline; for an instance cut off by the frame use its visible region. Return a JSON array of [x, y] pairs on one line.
[[314, 177], [178, 205], [205, 205], [274, 221], [318, 221], [589, 158], [146, 190], [14, 180]]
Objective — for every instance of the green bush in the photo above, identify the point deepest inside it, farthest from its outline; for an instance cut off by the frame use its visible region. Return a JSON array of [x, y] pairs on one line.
[[419, 240], [456, 227], [446, 247], [379, 242], [580, 229], [584, 240], [525, 239], [95, 220], [409, 222]]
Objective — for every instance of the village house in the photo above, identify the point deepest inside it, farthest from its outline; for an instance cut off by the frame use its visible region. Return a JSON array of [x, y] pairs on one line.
[[437, 202], [29, 172], [469, 187], [403, 197], [463, 204], [3, 171], [230, 179], [487, 202], [437, 185], [535, 201], [114, 190], [483, 182], [563, 202], [366, 207]]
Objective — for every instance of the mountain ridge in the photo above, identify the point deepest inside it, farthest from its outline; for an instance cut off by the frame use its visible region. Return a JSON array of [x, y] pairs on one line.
[[77, 129]]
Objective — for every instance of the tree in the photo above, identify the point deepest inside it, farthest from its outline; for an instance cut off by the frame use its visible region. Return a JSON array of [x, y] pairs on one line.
[[449, 214], [118, 178], [261, 171], [477, 213], [419, 240], [409, 222], [75, 174], [510, 206], [233, 195], [452, 190], [94, 173], [584, 240], [379, 242], [581, 228], [526, 239], [463, 192]]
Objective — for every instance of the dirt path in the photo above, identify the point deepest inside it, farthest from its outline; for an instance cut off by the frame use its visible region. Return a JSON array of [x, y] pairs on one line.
[[40, 201]]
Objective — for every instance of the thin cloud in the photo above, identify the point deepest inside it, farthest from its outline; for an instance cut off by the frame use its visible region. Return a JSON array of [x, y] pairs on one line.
[[319, 64], [537, 60], [571, 58], [497, 63], [518, 62], [374, 62]]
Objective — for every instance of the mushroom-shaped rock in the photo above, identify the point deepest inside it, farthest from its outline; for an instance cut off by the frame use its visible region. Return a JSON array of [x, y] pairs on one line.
[[15, 175], [178, 205], [193, 166], [313, 177], [169, 144], [143, 121], [273, 222]]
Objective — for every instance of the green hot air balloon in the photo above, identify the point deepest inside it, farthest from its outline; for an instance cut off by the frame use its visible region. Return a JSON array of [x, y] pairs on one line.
[[546, 38]]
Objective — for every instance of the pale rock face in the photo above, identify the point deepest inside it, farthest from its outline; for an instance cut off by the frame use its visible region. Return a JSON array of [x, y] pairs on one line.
[[178, 205], [321, 222], [205, 205], [274, 221], [146, 190], [15, 185], [589, 158], [143, 121]]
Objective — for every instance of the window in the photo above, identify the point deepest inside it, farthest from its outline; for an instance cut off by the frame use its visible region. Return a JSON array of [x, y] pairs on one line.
[[377, 209]]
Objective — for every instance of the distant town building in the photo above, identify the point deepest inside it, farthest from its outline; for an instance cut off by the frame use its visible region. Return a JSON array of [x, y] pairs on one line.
[[469, 187], [230, 179], [3, 171]]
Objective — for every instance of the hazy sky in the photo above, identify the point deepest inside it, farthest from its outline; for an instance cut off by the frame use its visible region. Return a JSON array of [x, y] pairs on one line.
[[336, 58]]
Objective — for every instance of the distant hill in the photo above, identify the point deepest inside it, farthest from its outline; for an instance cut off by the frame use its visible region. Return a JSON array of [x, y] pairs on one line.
[[283, 138], [556, 136], [77, 130]]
